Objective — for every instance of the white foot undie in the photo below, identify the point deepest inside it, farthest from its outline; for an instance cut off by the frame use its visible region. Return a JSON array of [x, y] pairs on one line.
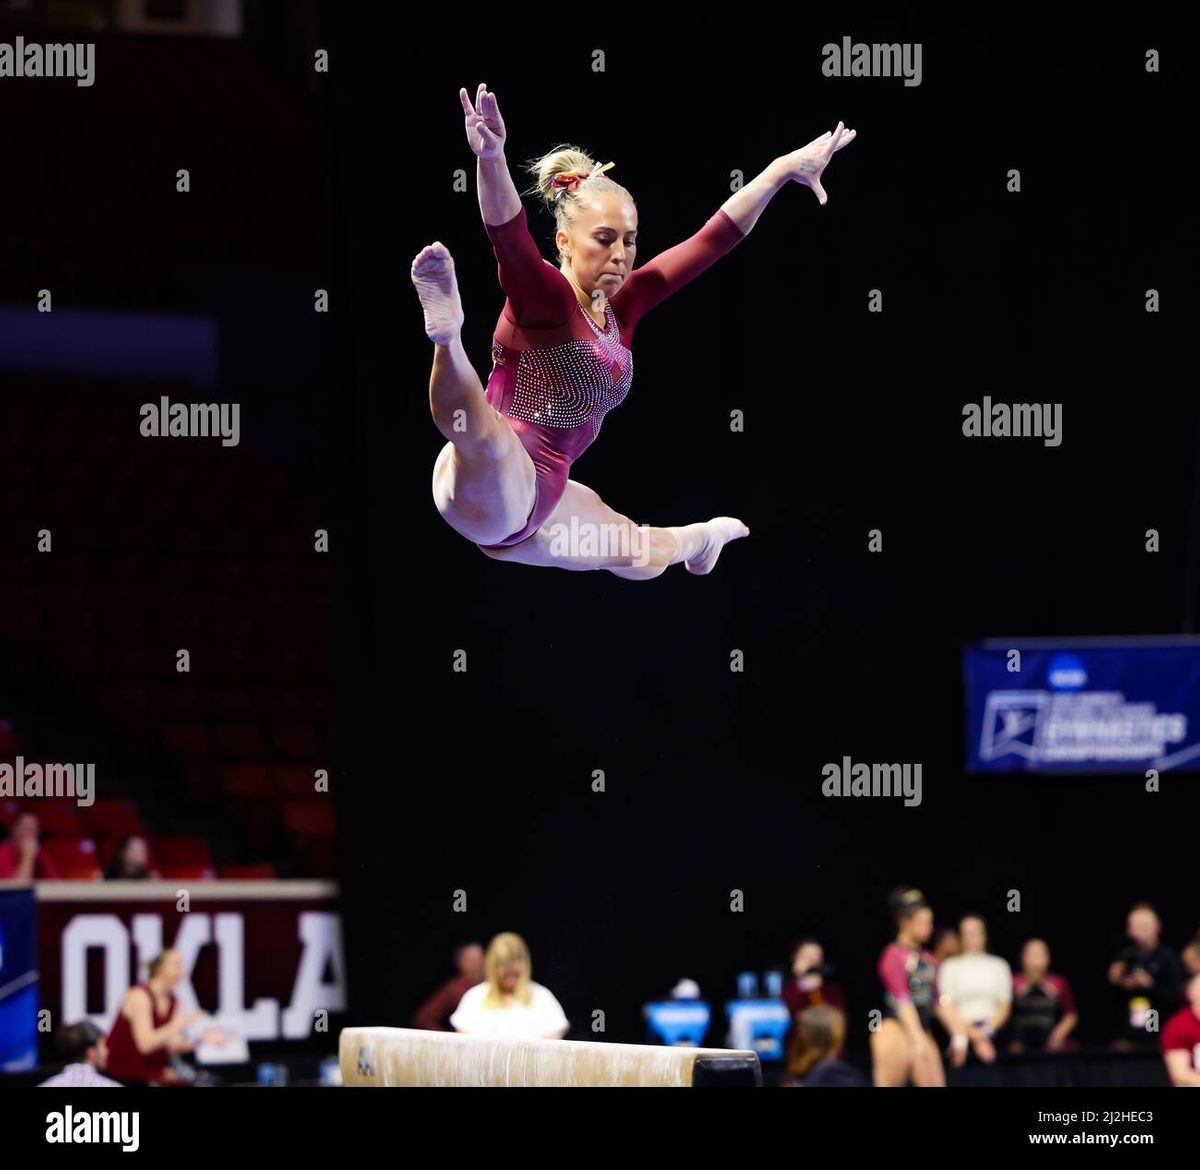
[[719, 531], [437, 290]]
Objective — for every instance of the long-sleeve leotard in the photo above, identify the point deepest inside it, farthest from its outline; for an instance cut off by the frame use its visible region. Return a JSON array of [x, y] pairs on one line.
[[555, 372]]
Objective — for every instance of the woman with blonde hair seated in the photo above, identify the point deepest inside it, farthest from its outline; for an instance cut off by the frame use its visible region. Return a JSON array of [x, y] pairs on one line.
[[508, 1003]]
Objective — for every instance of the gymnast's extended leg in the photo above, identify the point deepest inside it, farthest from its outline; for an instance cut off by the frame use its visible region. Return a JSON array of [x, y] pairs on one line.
[[583, 533], [483, 480]]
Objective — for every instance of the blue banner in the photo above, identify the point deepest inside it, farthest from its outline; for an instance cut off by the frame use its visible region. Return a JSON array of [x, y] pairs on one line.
[[678, 1021], [760, 1025], [1086, 705], [18, 980]]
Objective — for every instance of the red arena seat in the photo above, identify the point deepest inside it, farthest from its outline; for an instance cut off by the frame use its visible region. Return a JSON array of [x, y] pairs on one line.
[[256, 871], [74, 858]]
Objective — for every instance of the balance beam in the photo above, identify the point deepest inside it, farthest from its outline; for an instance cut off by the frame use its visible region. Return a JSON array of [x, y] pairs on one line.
[[410, 1057]]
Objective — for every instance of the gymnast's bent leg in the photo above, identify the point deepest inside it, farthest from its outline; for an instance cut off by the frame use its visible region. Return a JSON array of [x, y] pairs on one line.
[[483, 480], [584, 533]]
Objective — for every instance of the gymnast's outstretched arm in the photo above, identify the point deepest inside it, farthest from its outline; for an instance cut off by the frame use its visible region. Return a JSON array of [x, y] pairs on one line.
[[539, 296], [801, 166], [669, 271], [498, 198]]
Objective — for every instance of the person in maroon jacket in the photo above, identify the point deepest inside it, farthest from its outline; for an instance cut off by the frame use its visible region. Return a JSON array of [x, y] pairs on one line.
[[561, 354], [811, 983], [1181, 1039], [22, 857], [149, 1028], [434, 1014]]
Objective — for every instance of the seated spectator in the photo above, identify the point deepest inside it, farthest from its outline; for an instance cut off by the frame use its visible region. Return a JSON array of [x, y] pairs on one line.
[[434, 1014], [1181, 1039], [1043, 1013], [1147, 976], [815, 1053], [22, 857], [946, 944], [84, 1049], [130, 862], [975, 990], [509, 1003]]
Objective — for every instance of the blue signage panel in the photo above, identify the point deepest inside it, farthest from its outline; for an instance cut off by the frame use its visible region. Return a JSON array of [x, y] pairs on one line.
[[678, 1021], [18, 980], [760, 1025], [1087, 705]]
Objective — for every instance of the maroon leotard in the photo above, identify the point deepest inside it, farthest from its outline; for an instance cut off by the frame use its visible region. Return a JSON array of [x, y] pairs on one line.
[[908, 975], [555, 372]]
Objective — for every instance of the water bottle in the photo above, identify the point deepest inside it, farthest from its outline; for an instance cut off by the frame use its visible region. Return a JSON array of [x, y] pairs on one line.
[[272, 1074]]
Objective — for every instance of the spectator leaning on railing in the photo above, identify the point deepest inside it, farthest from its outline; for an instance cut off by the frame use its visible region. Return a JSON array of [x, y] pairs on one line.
[[22, 857], [130, 862]]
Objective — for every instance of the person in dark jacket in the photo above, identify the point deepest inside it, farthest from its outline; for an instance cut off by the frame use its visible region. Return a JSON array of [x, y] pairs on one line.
[[1147, 976]]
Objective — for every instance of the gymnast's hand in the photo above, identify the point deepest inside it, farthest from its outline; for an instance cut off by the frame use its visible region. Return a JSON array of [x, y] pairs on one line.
[[807, 164], [485, 126]]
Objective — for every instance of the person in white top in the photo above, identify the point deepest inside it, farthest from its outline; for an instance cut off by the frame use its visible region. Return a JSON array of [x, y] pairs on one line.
[[508, 1004], [975, 988], [83, 1047]]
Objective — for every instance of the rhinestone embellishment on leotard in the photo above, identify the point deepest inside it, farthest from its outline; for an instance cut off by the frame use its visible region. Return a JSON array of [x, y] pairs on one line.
[[567, 385]]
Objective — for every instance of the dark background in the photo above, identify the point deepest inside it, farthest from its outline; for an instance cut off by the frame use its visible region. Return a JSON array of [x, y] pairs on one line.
[[481, 781]]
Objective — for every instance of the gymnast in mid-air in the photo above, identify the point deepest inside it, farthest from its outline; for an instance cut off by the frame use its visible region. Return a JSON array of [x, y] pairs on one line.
[[561, 354]]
